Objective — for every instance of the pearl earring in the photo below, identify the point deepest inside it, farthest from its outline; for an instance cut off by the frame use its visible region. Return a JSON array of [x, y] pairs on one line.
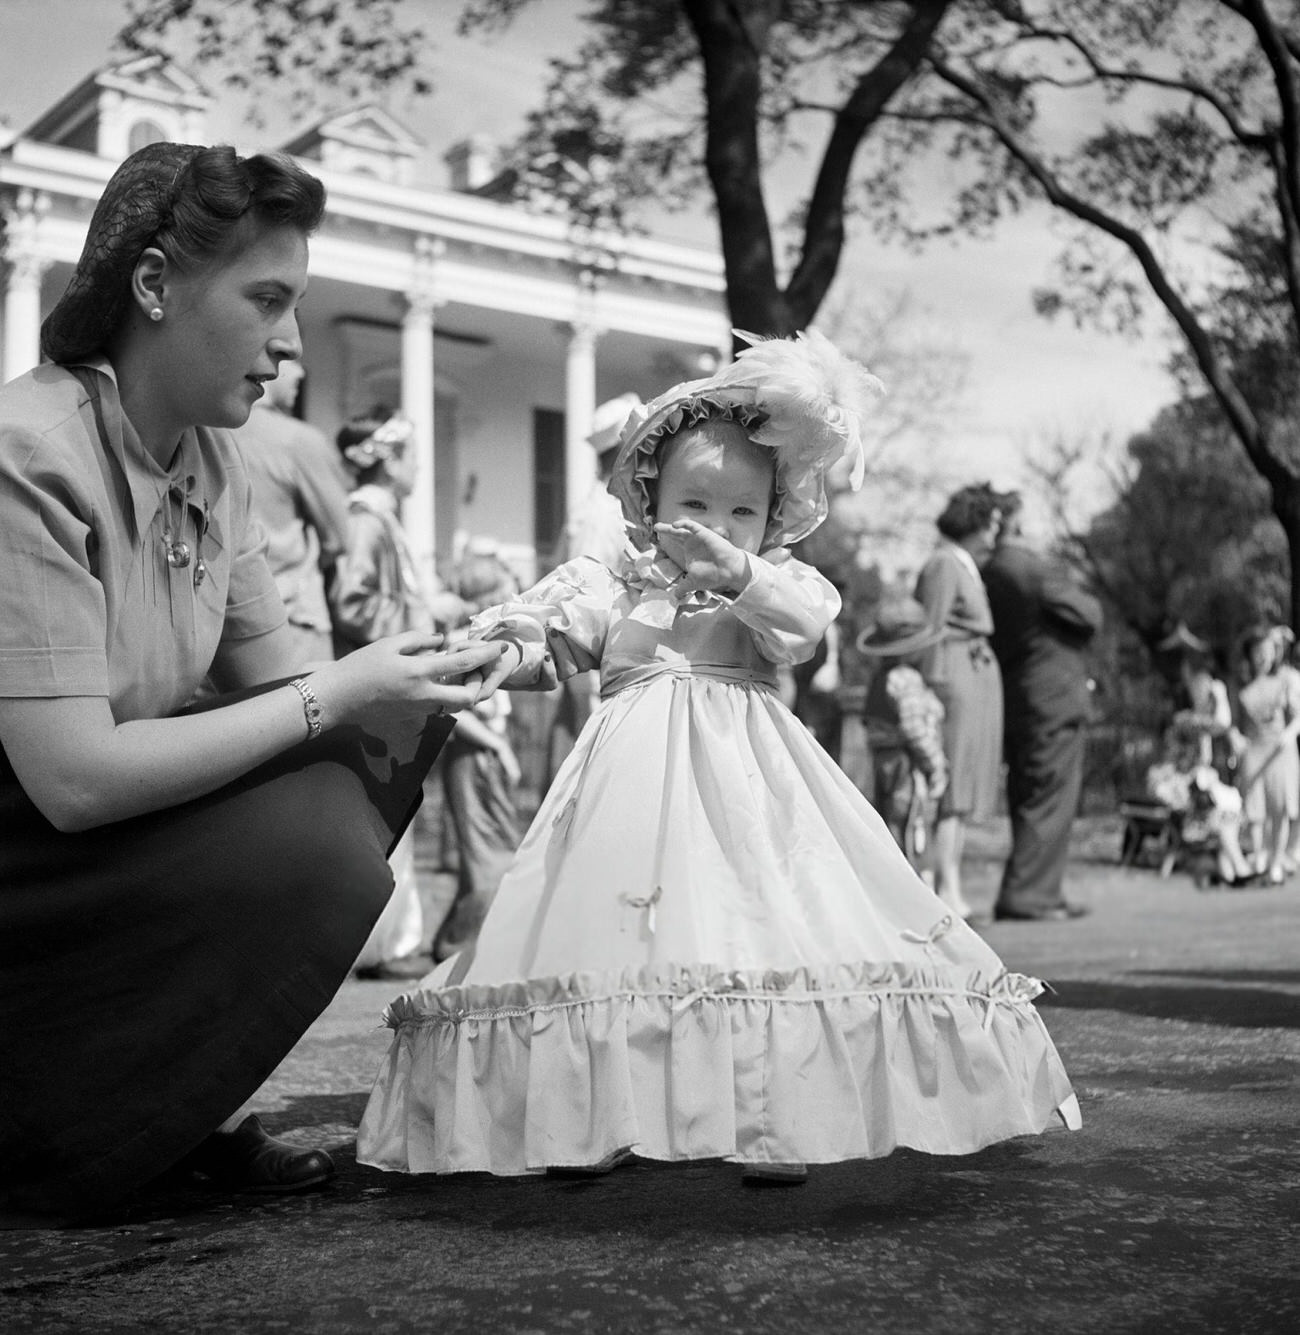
[[156, 314]]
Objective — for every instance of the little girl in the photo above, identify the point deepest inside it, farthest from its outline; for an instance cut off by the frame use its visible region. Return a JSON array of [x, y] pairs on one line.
[[709, 945]]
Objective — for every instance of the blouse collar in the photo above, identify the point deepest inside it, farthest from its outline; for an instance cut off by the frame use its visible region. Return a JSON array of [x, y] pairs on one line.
[[146, 479]]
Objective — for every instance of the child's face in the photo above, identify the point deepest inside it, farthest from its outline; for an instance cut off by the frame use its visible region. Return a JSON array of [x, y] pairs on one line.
[[399, 469], [723, 483]]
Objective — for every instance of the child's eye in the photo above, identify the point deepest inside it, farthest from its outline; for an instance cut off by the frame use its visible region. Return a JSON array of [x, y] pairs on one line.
[[745, 510], [693, 505]]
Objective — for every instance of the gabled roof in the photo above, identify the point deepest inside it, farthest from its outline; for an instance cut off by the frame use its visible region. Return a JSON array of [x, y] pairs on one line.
[[367, 127], [145, 78]]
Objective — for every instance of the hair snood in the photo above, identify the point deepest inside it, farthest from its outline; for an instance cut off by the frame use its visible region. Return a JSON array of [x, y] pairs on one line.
[[187, 201]]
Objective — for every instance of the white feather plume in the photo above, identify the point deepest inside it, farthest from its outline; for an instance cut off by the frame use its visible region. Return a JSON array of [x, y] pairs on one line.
[[815, 397]]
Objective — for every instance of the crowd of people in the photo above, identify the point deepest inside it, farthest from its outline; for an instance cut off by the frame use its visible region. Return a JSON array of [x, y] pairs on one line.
[[978, 686], [1229, 769]]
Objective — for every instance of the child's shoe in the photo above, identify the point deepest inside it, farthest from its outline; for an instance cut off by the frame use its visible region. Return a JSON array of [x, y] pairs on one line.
[[614, 1159]]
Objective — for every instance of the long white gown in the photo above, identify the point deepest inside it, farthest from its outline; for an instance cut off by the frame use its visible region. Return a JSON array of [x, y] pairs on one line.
[[708, 945]]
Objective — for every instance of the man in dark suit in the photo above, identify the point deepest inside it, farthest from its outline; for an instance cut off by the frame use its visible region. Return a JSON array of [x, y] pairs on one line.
[[1042, 623]]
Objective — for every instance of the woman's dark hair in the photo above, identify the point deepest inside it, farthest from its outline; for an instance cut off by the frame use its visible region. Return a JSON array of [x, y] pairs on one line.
[[188, 201], [218, 190], [969, 509]]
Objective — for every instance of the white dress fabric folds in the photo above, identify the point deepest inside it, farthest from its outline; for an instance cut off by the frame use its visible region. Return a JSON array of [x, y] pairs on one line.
[[709, 945]]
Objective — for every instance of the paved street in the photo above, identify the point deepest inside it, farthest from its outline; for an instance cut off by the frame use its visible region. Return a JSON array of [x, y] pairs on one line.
[[1176, 1209]]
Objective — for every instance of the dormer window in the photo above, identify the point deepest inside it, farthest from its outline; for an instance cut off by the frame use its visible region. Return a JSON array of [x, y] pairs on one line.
[[144, 133]]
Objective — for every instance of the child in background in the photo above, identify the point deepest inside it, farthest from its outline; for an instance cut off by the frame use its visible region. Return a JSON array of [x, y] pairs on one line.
[[709, 944], [480, 771], [378, 592], [904, 725]]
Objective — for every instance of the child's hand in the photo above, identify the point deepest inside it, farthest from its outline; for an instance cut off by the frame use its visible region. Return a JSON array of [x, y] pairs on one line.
[[708, 561], [499, 669]]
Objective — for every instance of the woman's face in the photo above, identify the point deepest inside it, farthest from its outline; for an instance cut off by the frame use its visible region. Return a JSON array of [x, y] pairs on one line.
[[1261, 657], [227, 326], [981, 542]]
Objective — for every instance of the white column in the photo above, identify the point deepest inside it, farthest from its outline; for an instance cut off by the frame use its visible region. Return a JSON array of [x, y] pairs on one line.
[[417, 403], [579, 408], [22, 294]]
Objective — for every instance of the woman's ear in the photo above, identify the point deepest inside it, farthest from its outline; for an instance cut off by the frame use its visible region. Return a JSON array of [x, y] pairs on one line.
[[148, 282]]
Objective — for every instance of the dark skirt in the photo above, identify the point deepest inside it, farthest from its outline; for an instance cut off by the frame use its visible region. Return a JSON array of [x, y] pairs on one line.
[[153, 973]]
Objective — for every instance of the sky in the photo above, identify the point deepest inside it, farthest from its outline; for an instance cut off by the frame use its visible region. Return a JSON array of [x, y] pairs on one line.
[[1026, 380]]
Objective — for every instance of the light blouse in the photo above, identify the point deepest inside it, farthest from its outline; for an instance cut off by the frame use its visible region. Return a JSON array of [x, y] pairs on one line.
[[89, 604]]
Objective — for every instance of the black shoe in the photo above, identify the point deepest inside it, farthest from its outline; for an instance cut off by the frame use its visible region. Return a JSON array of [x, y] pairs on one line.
[[1057, 913], [774, 1175], [247, 1159]]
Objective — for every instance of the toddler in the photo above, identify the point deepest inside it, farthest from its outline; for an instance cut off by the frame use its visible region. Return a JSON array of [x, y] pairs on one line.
[[709, 945]]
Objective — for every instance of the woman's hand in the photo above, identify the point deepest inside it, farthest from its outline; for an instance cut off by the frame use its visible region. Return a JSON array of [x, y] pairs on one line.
[[406, 674], [707, 559]]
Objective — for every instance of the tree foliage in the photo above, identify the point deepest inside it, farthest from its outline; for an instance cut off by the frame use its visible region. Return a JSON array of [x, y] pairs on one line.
[[294, 48], [1168, 131], [1188, 537]]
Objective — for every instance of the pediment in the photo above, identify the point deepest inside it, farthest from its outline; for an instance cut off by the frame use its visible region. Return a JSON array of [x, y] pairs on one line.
[[155, 76], [366, 127], [149, 80]]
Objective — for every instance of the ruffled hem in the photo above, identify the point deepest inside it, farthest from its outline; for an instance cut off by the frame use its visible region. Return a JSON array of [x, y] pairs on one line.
[[806, 1064]]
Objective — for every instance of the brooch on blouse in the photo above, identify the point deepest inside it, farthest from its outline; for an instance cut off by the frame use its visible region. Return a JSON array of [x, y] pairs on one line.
[[175, 547]]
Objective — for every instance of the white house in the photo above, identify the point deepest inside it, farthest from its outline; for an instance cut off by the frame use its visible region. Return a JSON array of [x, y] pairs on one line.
[[489, 325]]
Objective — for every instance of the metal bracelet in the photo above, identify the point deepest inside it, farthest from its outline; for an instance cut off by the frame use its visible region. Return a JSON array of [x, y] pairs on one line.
[[310, 707]]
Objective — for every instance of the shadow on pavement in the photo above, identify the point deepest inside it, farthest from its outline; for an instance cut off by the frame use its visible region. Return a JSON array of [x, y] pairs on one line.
[[1203, 1003]]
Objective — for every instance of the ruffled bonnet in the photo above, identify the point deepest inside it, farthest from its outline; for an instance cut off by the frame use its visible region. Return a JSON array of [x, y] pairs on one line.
[[800, 397]]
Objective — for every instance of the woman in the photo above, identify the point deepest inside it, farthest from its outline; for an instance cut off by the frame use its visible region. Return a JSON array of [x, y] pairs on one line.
[[1268, 767], [963, 673], [182, 893]]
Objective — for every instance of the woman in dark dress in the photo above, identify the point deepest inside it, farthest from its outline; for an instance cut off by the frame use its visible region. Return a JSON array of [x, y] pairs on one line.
[[181, 893]]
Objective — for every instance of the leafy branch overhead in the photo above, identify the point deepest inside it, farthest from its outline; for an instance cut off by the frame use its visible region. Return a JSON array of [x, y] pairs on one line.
[[288, 48]]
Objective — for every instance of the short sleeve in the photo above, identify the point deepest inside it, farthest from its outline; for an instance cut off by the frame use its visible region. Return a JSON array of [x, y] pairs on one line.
[[52, 608]]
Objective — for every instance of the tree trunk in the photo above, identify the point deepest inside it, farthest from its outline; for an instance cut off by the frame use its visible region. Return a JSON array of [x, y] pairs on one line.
[[1286, 505]]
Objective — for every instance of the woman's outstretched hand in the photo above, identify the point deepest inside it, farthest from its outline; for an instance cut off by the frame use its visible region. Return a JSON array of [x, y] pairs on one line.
[[707, 559], [406, 674]]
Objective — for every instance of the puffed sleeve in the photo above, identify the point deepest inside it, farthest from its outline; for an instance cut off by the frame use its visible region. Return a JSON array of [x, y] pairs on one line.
[[787, 606], [52, 609], [559, 624]]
